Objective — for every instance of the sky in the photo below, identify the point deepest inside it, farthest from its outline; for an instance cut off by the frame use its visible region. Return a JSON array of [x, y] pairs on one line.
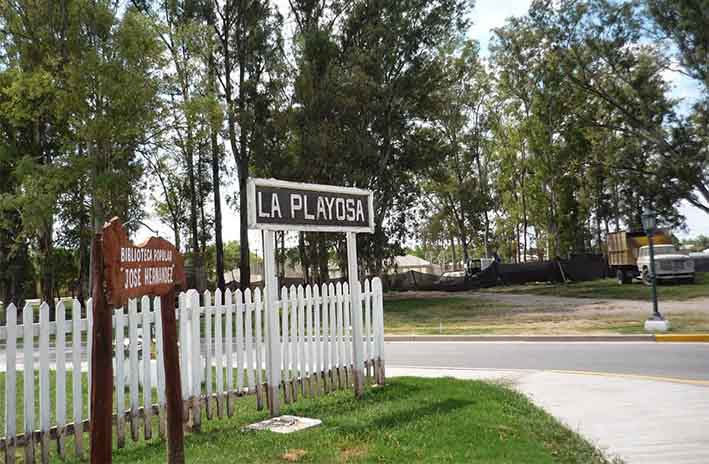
[[488, 14]]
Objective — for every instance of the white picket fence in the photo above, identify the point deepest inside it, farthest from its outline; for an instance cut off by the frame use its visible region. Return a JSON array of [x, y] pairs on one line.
[[223, 344]]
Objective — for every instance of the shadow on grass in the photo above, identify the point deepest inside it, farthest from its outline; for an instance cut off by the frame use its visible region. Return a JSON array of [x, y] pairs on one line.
[[398, 418], [328, 404]]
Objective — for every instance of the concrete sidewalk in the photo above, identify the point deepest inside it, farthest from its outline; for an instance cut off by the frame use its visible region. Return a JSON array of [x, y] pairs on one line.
[[639, 419]]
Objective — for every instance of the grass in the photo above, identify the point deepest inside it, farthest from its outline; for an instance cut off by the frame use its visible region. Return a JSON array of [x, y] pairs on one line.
[[436, 315], [409, 420], [610, 289]]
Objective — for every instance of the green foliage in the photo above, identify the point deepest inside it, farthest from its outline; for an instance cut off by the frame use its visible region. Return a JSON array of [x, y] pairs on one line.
[[698, 244]]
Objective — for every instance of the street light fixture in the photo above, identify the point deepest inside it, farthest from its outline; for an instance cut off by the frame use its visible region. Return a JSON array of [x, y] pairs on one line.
[[656, 321]]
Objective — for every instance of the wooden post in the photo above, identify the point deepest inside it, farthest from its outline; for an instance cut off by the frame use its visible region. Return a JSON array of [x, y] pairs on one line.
[[173, 385], [274, 336], [357, 340], [102, 364]]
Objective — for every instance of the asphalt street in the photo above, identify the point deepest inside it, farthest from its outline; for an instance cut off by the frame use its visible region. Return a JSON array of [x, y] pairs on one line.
[[676, 360], [688, 361]]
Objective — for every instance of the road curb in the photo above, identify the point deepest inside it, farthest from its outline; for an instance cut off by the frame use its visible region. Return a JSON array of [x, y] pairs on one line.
[[523, 338], [682, 338]]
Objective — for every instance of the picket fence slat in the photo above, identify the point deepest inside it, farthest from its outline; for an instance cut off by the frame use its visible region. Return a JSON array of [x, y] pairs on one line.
[[325, 337], [195, 349], [342, 352], [10, 384], [379, 316], [120, 377], [60, 393], [258, 307], [339, 364], [308, 340], [208, 351], [346, 307], [229, 342], [134, 363], [76, 378], [162, 404], [147, 364], [285, 348], [28, 377], [316, 338], [311, 343], [89, 348], [240, 347], [184, 347], [302, 370], [45, 405], [334, 359], [293, 342], [367, 327]]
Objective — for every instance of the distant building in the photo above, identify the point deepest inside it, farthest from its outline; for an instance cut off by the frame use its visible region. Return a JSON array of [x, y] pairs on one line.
[[408, 263]]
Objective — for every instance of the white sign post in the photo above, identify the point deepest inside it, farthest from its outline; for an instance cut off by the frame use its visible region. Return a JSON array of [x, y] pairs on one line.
[[279, 205], [273, 356]]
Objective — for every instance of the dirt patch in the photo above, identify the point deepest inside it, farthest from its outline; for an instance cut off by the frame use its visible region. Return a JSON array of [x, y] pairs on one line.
[[293, 455], [591, 307], [350, 453]]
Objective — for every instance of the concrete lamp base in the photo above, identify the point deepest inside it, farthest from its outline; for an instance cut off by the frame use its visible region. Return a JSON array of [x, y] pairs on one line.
[[654, 325]]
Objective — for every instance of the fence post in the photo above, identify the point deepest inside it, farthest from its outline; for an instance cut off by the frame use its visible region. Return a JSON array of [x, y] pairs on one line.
[[358, 372], [173, 377], [274, 339]]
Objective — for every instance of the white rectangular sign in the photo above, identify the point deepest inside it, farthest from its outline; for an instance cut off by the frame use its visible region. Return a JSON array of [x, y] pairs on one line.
[[280, 205]]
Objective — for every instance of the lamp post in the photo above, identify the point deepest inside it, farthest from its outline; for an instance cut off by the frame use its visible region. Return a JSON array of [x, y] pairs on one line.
[[656, 321]]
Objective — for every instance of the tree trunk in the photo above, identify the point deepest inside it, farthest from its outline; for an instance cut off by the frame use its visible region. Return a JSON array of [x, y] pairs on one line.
[[194, 225], [84, 269], [465, 245], [46, 247], [244, 254], [218, 241], [202, 216], [216, 159], [176, 228], [323, 260], [452, 239], [304, 261]]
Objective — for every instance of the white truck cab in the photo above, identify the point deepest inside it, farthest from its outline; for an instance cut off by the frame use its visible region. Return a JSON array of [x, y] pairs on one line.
[[670, 264]]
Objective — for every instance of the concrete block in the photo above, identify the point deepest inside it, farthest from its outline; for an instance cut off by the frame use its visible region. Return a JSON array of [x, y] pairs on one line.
[[652, 325]]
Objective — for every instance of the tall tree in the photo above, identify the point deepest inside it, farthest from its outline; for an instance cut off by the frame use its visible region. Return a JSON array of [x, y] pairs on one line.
[[249, 49]]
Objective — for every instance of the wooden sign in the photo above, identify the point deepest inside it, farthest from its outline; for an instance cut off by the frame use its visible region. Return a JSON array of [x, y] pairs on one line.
[[153, 267], [280, 205], [124, 271]]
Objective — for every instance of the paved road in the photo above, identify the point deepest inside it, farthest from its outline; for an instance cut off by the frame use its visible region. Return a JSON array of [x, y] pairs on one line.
[[681, 360]]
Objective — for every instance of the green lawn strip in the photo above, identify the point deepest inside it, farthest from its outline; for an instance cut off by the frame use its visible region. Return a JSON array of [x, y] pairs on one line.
[[609, 288], [409, 420]]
